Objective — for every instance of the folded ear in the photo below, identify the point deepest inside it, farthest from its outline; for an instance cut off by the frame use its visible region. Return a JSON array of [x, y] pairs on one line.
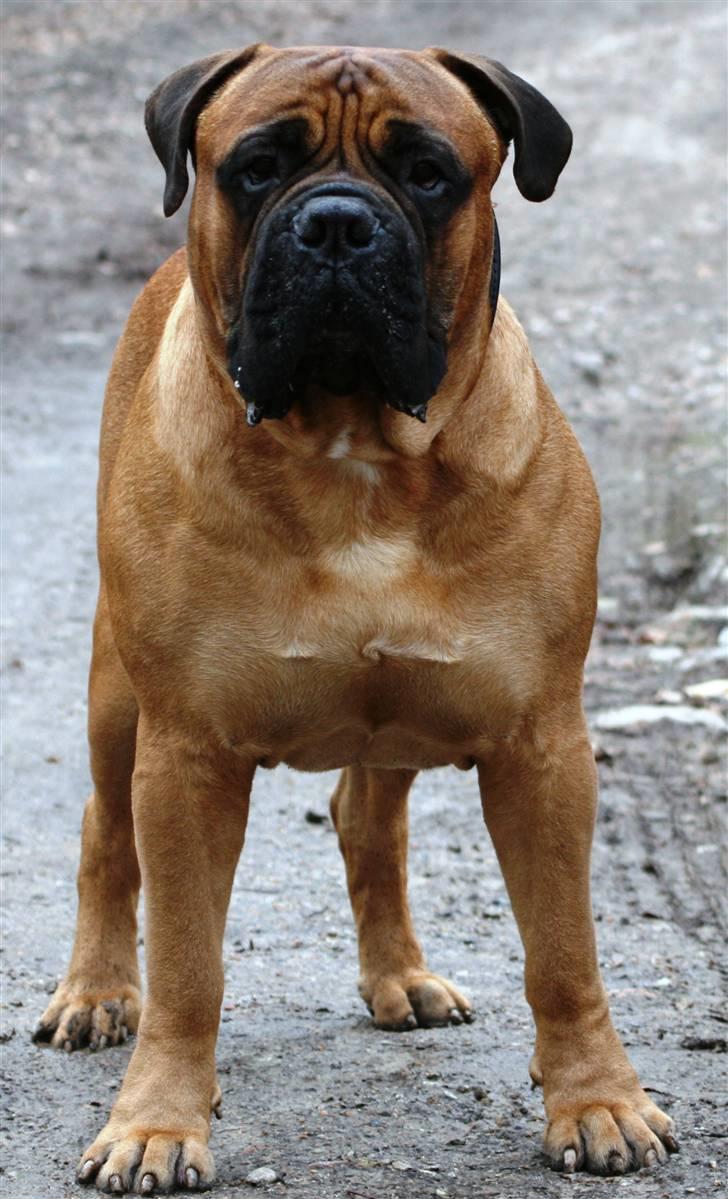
[[172, 110], [540, 134]]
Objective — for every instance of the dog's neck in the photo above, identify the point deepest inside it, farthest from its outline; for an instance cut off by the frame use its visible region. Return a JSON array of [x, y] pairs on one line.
[[483, 423]]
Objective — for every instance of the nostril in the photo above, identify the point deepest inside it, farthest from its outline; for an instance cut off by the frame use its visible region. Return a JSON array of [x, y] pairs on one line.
[[360, 230], [310, 228]]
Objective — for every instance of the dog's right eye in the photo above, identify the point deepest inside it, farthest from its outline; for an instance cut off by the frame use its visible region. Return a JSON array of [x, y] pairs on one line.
[[260, 170]]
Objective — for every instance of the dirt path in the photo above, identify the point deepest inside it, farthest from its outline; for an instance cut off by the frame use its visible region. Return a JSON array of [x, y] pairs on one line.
[[620, 281]]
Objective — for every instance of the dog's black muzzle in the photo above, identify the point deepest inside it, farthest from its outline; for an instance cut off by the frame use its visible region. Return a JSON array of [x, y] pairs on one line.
[[336, 296]]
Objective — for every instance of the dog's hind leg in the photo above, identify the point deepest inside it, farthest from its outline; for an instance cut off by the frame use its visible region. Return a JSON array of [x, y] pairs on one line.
[[98, 1001], [369, 810]]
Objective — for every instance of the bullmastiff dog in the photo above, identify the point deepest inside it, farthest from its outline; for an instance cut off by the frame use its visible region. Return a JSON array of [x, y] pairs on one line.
[[342, 524]]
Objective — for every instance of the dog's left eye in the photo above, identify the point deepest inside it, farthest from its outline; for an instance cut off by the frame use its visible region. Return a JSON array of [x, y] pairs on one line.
[[261, 169], [426, 175]]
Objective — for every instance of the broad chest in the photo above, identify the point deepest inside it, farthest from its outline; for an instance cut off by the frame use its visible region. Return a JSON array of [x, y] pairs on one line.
[[369, 655]]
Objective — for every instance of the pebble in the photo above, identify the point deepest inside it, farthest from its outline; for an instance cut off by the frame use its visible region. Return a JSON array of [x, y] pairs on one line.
[[699, 612], [590, 363], [710, 689], [264, 1174], [664, 653]]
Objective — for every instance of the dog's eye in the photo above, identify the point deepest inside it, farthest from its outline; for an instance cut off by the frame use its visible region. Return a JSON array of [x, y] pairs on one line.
[[426, 175], [261, 169]]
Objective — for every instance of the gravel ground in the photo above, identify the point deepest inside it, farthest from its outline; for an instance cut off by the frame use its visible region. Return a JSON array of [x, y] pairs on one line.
[[620, 282]]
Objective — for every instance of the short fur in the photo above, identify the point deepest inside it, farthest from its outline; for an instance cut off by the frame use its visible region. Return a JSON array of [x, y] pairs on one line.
[[343, 587]]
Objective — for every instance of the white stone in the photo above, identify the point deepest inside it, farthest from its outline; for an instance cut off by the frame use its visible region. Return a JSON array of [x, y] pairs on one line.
[[626, 718], [259, 1177], [710, 689], [664, 653]]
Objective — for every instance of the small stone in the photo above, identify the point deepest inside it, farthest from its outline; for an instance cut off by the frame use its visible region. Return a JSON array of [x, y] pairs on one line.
[[664, 653], [590, 363], [261, 1176], [710, 689], [607, 607], [631, 717], [653, 635]]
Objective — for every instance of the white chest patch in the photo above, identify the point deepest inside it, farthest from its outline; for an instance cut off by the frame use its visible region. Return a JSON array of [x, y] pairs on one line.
[[373, 559], [340, 446], [340, 451]]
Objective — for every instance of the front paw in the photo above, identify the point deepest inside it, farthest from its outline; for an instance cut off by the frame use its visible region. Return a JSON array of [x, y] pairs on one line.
[[147, 1160], [78, 1017], [603, 1134]]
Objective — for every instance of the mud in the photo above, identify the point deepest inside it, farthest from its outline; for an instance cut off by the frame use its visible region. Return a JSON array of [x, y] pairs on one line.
[[620, 282]]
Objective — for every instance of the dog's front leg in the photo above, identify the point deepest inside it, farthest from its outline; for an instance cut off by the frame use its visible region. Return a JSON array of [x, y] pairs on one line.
[[190, 813], [539, 801]]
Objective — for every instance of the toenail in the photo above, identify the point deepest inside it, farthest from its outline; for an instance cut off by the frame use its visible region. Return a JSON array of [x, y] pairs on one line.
[[671, 1143], [116, 1185], [616, 1163], [650, 1158], [468, 1015], [569, 1161], [87, 1170], [455, 1017], [103, 1042], [192, 1178], [148, 1184], [68, 1046]]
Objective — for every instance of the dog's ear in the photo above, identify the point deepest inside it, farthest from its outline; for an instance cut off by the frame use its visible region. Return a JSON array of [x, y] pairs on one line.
[[522, 115], [171, 113]]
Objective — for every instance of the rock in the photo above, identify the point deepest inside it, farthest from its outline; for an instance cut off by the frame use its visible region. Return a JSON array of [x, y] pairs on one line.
[[261, 1176], [607, 607], [624, 719], [590, 363], [710, 689], [313, 817], [664, 653], [698, 612]]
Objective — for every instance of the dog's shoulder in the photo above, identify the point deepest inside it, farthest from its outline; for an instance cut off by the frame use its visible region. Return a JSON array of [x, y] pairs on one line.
[[134, 352]]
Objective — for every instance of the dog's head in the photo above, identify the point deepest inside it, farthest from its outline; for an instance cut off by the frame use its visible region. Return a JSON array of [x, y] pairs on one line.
[[341, 234]]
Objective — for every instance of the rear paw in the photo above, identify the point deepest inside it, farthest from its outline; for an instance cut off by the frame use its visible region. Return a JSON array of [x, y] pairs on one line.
[[75, 1018], [415, 999]]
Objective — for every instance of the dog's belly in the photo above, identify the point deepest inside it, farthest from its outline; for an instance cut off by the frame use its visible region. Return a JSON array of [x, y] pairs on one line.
[[389, 749], [372, 719]]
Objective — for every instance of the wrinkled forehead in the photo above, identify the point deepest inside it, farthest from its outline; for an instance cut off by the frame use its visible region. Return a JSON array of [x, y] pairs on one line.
[[316, 83]]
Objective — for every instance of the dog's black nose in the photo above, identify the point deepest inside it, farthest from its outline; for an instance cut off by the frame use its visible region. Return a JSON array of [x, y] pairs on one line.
[[335, 226]]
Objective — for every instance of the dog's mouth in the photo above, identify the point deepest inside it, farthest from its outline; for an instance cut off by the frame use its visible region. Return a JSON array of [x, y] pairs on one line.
[[340, 307], [403, 374], [339, 365]]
